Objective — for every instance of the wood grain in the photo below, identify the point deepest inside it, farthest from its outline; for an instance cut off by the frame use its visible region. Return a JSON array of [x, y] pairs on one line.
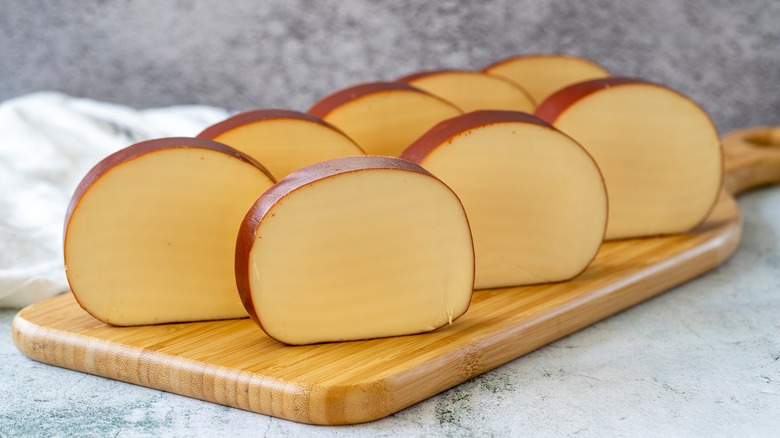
[[233, 363], [752, 158]]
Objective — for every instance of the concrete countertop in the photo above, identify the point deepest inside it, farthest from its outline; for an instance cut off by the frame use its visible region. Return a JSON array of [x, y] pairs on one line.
[[700, 360]]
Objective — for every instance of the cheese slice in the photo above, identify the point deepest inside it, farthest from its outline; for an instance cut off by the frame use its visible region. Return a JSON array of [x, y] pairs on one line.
[[283, 140], [355, 248], [150, 232], [472, 91], [543, 74], [383, 117], [535, 199], [658, 150]]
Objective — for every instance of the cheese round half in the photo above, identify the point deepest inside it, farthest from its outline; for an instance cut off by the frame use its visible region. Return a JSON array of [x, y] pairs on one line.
[[150, 232], [355, 248], [535, 199], [659, 152]]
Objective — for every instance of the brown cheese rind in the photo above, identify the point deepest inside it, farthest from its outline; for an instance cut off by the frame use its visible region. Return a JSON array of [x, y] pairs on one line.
[[329, 103], [444, 130], [142, 148], [408, 79], [260, 115], [558, 102]]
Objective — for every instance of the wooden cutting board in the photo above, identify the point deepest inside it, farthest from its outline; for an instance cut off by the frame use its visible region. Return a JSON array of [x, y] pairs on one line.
[[233, 363]]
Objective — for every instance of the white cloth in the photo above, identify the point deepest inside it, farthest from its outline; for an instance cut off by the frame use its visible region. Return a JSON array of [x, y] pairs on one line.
[[48, 142]]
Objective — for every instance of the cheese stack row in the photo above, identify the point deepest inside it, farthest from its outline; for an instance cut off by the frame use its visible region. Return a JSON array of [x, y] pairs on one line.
[[382, 208]]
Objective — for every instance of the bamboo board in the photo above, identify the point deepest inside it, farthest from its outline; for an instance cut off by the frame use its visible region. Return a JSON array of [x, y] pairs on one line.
[[235, 364]]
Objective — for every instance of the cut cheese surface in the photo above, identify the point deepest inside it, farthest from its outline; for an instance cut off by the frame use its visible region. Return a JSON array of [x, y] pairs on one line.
[[658, 150], [150, 233], [543, 74], [283, 141], [471, 91], [355, 248], [535, 199], [383, 118]]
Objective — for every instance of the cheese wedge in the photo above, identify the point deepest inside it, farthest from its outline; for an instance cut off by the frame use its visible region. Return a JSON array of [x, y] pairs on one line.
[[472, 91], [150, 232], [283, 140], [355, 248], [535, 199], [544, 74], [658, 150], [383, 117]]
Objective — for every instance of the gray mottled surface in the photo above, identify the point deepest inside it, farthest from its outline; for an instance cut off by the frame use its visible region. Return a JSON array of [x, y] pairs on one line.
[[246, 54], [700, 360]]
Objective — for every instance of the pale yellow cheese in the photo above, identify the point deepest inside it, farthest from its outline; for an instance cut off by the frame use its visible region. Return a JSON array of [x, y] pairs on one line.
[[362, 255], [534, 198], [284, 145], [471, 91], [542, 75], [152, 240], [659, 153], [386, 122]]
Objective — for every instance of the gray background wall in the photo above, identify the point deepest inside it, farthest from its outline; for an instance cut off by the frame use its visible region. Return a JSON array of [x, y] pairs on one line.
[[252, 54]]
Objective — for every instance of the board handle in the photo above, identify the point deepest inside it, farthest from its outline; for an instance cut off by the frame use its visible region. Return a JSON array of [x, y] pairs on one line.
[[751, 158]]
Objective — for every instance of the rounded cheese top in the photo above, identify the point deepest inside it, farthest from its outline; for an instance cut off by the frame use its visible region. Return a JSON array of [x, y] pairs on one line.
[[543, 74], [443, 131], [472, 90], [259, 115], [149, 146], [542, 57], [555, 104], [284, 141], [384, 117], [333, 101]]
